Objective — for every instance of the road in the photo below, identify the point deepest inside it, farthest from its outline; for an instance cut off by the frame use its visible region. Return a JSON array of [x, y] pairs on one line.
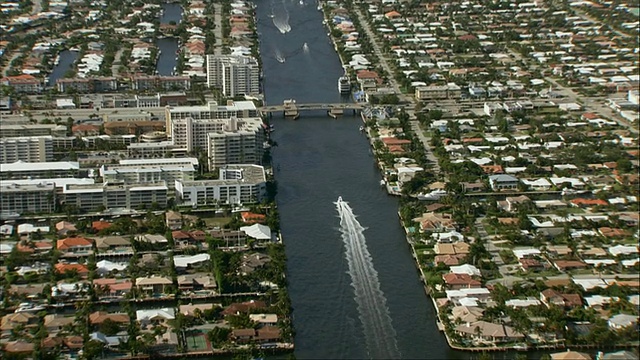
[[116, 62], [404, 98], [217, 28]]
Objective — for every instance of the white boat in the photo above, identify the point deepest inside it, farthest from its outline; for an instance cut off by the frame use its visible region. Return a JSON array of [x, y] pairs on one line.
[[344, 85], [382, 183], [361, 128], [28, 307]]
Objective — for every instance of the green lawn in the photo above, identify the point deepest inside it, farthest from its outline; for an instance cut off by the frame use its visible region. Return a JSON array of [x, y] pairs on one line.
[[216, 221]]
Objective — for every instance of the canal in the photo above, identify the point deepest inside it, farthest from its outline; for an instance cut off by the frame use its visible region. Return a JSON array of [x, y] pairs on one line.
[[321, 159], [66, 60], [168, 47]]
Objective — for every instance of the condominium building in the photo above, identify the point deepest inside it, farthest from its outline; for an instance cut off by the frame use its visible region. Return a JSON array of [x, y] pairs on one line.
[[233, 74], [237, 109], [29, 149], [39, 170], [237, 184], [93, 197], [27, 198], [435, 92], [190, 134], [146, 174], [32, 130], [236, 144]]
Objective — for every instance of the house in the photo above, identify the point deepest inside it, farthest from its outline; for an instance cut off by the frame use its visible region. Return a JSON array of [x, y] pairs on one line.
[[98, 317], [18, 347], [552, 297], [244, 307], [195, 282], [264, 319], [114, 244], [243, 335], [63, 228], [183, 262], [268, 334], [80, 269], [564, 265], [435, 222], [466, 314], [22, 319], [460, 281], [503, 182], [252, 262], [248, 217], [54, 323], [153, 285], [570, 355], [100, 225], [622, 321], [466, 269], [192, 309], [486, 331], [154, 316], [531, 265], [173, 220], [75, 245]]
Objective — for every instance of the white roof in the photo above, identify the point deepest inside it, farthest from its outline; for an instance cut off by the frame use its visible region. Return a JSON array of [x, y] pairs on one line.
[[623, 249], [5, 248], [257, 231], [451, 294], [59, 182], [594, 300], [30, 228], [153, 314], [40, 166], [520, 253], [6, 229], [108, 266], [184, 261], [465, 269], [522, 303], [264, 318], [589, 284]]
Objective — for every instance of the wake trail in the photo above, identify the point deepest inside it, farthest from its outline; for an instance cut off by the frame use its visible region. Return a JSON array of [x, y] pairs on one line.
[[380, 336]]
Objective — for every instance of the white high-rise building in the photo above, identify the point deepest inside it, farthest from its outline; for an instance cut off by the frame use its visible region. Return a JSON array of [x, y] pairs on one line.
[[233, 74], [236, 144], [237, 109], [28, 149]]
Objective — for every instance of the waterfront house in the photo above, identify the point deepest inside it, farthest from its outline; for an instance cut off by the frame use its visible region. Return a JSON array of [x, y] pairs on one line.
[[75, 245], [98, 317], [244, 307], [26, 320], [565, 265], [265, 319], [503, 182], [63, 228], [154, 285], [113, 245], [115, 288], [242, 336], [435, 222], [154, 316], [54, 323], [486, 331], [570, 355], [196, 282], [80, 269], [460, 281]]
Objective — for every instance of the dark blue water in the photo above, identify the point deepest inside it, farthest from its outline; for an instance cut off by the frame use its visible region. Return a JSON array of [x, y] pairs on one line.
[[321, 159], [168, 56], [67, 59], [171, 12]]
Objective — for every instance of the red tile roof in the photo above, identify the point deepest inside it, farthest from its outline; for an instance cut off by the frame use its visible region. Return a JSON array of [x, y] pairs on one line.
[[72, 242]]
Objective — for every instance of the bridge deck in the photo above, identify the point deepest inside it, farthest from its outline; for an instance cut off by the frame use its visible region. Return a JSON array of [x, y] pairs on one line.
[[303, 107]]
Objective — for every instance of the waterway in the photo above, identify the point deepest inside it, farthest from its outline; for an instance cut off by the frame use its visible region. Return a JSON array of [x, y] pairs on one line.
[[321, 159], [168, 47], [171, 12], [65, 63]]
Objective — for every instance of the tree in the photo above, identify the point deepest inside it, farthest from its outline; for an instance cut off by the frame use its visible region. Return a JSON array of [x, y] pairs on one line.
[[109, 327]]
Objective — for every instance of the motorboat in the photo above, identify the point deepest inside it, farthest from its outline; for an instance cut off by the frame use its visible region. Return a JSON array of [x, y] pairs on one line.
[[29, 307], [361, 128], [382, 183]]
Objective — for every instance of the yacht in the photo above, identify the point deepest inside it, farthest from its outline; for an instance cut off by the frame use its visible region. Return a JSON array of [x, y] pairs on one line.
[[344, 85], [28, 307]]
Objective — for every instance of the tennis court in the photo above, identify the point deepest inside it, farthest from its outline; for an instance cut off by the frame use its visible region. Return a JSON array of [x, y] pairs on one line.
[[197, 341]]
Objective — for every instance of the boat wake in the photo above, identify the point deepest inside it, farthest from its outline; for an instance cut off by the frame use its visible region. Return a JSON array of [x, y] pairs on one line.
[[380, 336], [280, 17], [279, 56]]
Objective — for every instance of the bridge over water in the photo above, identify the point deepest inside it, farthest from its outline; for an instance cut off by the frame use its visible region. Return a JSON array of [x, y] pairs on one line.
[[293, 109]]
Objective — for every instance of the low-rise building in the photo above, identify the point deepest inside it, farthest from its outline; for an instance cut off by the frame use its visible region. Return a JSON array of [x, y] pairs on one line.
[[92, 197], [28, 198], [39, 170]]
